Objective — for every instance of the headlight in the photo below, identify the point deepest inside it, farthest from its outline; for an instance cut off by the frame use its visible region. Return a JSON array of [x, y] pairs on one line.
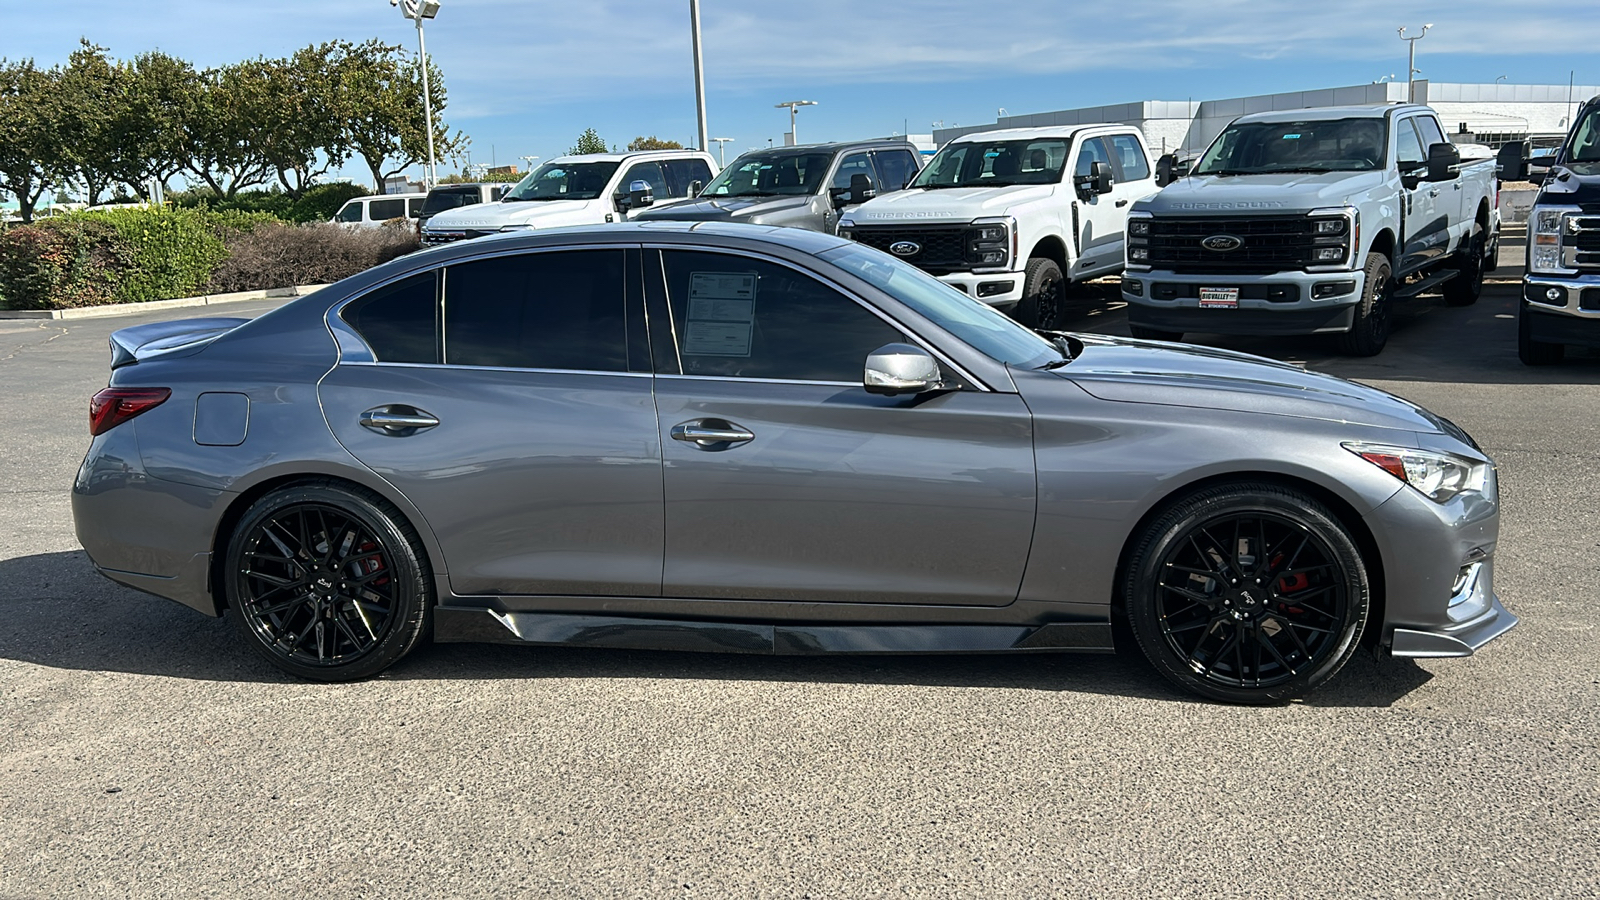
[[1137, 246], [1335, 236], [989, 242], [1439, 476], [1139, 227], [1545, 228]]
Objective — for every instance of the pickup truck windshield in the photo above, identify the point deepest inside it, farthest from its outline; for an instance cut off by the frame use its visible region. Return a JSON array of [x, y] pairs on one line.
[[1585, 146], [1328, 145], [995, 163], [768, 174], [564, 181], [985, 328]]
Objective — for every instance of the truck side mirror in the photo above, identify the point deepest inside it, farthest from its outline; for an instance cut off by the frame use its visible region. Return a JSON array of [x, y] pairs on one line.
[[1442, 162], [1166, 169], [695, 187], [1098, 181], [1512, 163], [638, 196], [861, 189]]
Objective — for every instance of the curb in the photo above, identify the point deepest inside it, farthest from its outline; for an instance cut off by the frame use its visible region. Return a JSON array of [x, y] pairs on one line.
[[133, 309]]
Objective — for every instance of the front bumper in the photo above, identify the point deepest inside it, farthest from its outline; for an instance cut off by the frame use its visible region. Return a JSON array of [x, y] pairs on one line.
[[1282, 303], [999, 289], [1573, 318]]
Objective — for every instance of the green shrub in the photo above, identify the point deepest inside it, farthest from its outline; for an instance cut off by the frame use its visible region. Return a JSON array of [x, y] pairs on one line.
[[170, 252], [319, 203], [60, 264]]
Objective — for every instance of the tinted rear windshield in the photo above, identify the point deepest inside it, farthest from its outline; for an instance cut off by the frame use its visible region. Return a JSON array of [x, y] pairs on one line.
[[441, 199]]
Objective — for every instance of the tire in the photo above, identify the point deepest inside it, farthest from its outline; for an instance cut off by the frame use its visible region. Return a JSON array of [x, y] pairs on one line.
[[1271, 620], [1043, 290], [1530, 351], [1370, 330], [328, 581], [1466, 288], [1154, 334]]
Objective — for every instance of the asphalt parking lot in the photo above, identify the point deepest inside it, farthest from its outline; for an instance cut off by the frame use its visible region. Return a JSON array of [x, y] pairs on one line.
[[144, 751]]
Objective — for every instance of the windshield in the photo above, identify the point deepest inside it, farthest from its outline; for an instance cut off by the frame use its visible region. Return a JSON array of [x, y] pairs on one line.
[[995, 163], [770, 173], [441, 199], [1585, 145], [1329, 145], [984, 328], [564, 181]]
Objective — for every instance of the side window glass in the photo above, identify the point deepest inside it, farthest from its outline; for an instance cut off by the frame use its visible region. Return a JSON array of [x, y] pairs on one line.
[[740, 317], [1093, 151], [384, 210], [684, 172], [350, 212], [558, 310], [851, 166], [1130, 156], [1431, 133], [896, 167], [1408, 147], [414, 207], [649, 172], [399, 322]]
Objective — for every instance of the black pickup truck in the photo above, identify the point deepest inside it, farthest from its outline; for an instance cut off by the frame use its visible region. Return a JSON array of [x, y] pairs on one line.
[[1561, 290]]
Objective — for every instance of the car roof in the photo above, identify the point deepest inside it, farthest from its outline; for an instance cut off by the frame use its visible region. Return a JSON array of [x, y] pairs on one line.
[[628, 154], [1066, 132], [405, 196], [469, 184], [667, 230], [1322, 113]]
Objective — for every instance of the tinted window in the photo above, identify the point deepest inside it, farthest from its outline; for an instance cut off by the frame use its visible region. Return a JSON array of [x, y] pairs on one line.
[[770, 172], [651, 174], [559, 310], [414, 207], [851, 166], [681, 172], [897, 168], [567, 181], [1092, 151], [399, 322], [1131, 157], [735, 316], [994, 163], [1409, 148], [350, 212], [441, 199], [384, 210]]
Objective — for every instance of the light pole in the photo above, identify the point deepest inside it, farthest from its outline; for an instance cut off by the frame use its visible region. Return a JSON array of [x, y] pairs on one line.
[[419, 10], [699, 74], [528, 160], [793, 105], [1411, 65], [720, 149]]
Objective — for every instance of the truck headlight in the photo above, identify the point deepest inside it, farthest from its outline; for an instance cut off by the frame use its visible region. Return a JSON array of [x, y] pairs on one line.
[[1438, 476], [1545, 228], [989, 242], [1138, 241], [1335, 236]]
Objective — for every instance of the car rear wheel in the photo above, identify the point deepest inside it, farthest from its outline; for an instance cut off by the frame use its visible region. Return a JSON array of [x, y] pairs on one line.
[[1043, 292], [1247, 593], [1530, 351], [1370, 331], [328, 581]]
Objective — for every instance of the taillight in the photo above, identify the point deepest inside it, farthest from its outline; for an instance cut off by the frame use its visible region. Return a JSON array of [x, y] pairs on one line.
[[113, 406]]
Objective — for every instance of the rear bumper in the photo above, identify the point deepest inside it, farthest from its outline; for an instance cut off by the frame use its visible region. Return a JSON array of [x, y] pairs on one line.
[[1170, 301]]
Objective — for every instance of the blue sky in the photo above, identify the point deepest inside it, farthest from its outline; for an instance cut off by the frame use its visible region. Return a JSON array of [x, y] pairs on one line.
[[526, 76]]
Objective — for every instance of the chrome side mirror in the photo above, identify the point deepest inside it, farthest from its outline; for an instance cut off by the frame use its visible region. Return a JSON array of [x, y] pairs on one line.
[[901, 369], [639, 196]]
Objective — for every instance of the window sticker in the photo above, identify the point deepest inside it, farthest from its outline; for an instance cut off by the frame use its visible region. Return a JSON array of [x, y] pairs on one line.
[[722, 314], [1291, 137]]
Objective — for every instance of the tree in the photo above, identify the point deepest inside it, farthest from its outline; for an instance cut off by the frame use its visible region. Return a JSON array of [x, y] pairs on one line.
[[307, 137], [91, 103], [378, 92], [228, 135], [159, 103], [588, 142], [653, 143], [32, 158]]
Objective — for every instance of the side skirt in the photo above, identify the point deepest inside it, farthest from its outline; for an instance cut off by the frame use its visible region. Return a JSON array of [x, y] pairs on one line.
[[458, 625]]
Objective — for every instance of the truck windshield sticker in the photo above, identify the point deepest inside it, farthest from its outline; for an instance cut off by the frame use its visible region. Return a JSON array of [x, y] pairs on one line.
[[722, 314], [1291, 137]]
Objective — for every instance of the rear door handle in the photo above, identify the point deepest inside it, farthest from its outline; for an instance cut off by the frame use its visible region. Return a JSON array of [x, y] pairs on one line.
[[711, 434], [397, 420]]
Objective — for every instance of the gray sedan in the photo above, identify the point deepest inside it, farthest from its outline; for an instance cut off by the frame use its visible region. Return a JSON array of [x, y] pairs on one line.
[[767, 440]]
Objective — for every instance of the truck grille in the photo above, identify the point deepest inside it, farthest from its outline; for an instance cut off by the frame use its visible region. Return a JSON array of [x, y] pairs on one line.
[[943, 248], [1583, 237], [436, 238], [1270, 244]]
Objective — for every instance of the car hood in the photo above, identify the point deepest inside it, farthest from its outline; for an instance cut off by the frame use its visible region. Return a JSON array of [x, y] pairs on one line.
[[724, 209], [543, 213], [946, 204], [1133, 371], [1282, 192], [1573, 183]]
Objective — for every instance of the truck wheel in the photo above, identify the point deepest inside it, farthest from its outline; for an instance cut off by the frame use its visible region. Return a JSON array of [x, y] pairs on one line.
[[1370, 330], [1154, 334], [1464, 289], [1042, 291], [1530, 351]]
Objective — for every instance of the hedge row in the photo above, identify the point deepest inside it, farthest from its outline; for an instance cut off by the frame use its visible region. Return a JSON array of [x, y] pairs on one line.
[[158, 253]]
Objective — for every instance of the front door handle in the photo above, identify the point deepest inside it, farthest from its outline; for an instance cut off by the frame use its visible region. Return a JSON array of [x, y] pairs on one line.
[[1456, 186], [1122, 202], [1433, 193], [711, 434], [397, 420]]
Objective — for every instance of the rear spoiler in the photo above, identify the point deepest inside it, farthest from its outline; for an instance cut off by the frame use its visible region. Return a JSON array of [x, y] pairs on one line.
[[129, 345]]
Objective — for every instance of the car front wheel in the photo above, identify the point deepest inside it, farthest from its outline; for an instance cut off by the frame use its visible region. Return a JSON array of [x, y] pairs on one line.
[[1247, 593]]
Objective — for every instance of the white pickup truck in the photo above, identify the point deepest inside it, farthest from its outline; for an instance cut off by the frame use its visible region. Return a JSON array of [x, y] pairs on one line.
[[1012, 217], [1311, 221], [579, 190]]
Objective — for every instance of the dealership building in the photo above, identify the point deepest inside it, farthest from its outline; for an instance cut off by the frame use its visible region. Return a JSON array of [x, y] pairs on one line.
[[1491, 114]]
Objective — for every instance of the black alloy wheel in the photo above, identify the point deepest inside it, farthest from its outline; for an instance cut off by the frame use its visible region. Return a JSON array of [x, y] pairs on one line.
[[1247, 594], [1467, 287], [1044, 291], [1369, 332], [329, 581]]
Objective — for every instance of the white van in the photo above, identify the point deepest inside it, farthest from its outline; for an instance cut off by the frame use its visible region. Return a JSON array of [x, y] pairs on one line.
[[374, 210]]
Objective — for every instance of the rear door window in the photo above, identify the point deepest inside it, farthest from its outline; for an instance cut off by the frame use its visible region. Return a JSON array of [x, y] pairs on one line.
[[558, 310], [414, 207], [384, 210], [896, 168], [399, 322], [683, 172]]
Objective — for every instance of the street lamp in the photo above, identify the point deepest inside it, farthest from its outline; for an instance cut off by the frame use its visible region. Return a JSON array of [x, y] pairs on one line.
[[719, 142], [528, 160], [699, 75], [793, 105], [1411, 66], [419, 10]]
